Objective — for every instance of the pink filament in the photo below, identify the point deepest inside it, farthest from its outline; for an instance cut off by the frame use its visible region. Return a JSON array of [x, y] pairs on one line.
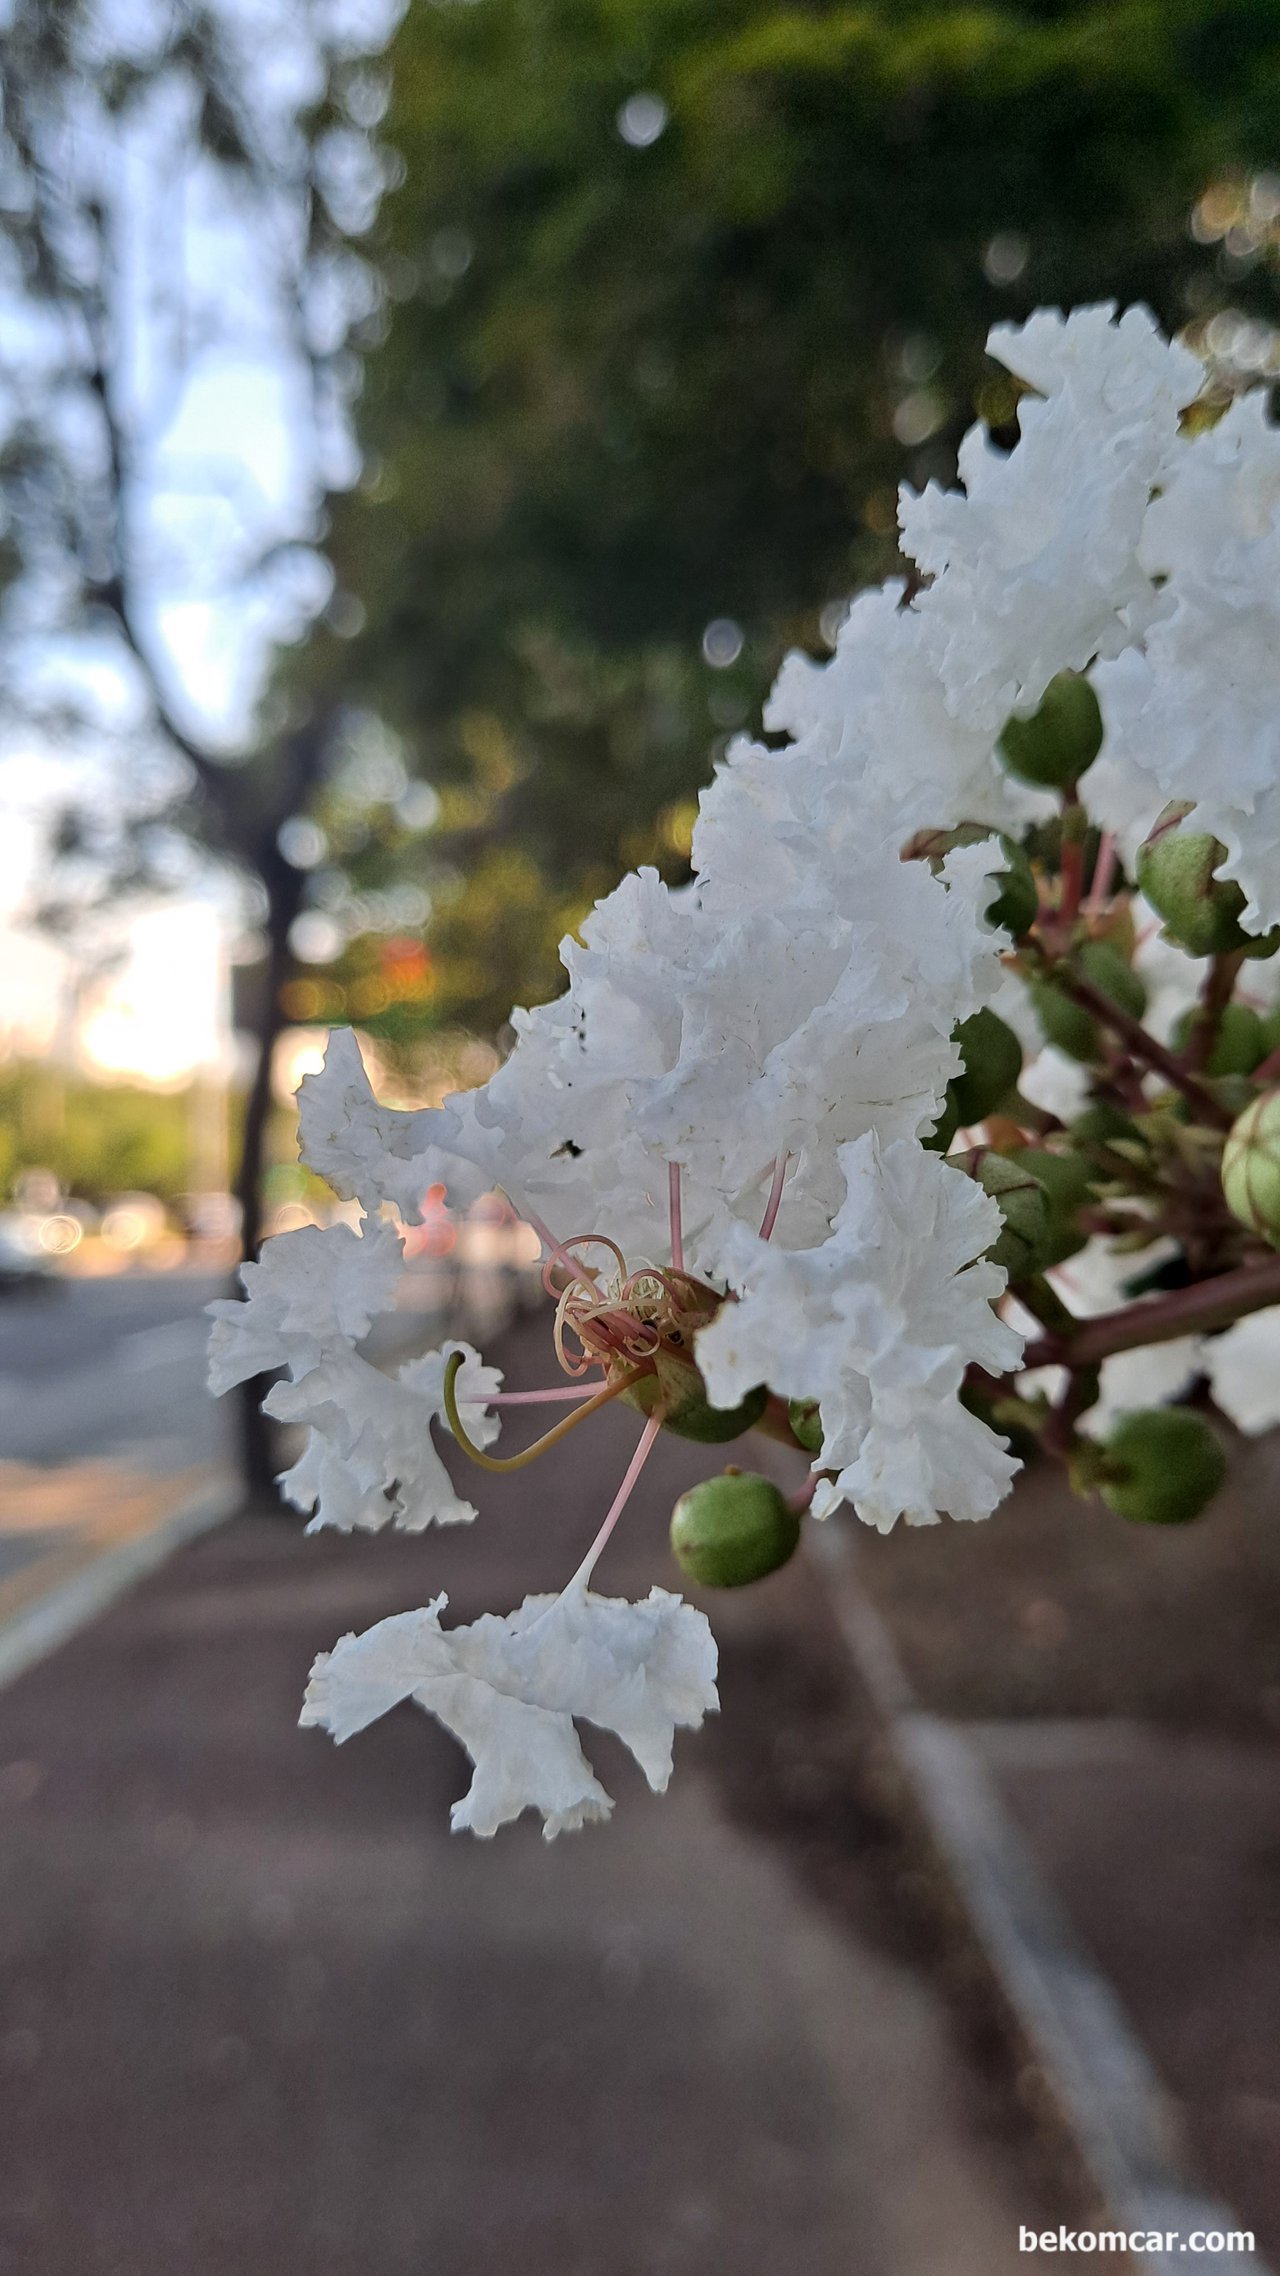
[[541, 1398], [620, 1500], [677, 1226], [1104, 870], [774, 1202]]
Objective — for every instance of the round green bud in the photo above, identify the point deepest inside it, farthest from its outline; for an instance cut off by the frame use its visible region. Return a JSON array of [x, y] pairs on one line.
[[1065, 1024], [1251, 1167], [690, 1413], [733, 1529], [992, 1064], [1239, 1046], [806, 1423], [1053, 747], [1067, 1179], [1024, 1206], [1161, 1466], [1106, 967], [1201, 911]]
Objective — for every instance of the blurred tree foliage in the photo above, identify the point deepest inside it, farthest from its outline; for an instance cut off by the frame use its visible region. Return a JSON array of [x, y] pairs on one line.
[[676, 292], [98, 1139]]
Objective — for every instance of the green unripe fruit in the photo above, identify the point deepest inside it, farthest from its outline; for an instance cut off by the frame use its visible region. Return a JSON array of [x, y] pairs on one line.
[[1065, 1024], [1066, 1179], [992, 1064], [1201, 911], [1115, 979], [1161, 1466], [1024, 1206], [806, 1423], [1251, 1167], [733, 1529], [1239, 1046], [690, 1413], [1053, 747]]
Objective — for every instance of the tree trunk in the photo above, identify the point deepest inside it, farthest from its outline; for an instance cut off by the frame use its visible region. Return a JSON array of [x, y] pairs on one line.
[[284, 890]]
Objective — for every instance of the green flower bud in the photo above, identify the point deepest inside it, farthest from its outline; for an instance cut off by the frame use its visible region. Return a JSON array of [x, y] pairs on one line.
[[1161, 1466], [1251, 1167], [1053, 747], [806, 1423], [1239, 1046], [1065, 1024], [1117, 980], [992, 1064], [733, 1529], [1201, 911], [1067, 1179], [690, 1413], [1024, 1205]]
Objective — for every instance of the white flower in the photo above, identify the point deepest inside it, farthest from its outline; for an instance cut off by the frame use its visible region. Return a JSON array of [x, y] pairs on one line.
[[371, 1153], [1035, 564], [509, 1690], [313, 1291], [1243, 1367], [1149, 1376], [878, 1324], [370, 1460], [1196, 714]]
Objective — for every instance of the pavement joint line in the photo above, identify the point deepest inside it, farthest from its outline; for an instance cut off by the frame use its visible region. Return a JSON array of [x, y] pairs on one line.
[[89, 1575], [1100, 2077]]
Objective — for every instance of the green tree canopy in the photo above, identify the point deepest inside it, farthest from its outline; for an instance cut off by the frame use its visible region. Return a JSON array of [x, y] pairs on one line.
[[677, 292]]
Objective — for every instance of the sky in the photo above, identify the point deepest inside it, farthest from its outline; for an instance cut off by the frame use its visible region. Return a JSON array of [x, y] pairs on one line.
[[230, 467]]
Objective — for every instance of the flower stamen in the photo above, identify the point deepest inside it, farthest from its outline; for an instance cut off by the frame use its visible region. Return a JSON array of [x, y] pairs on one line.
[[613, 1390]]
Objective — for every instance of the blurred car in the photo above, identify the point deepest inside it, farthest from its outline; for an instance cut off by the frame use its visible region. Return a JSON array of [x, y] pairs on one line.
[[24, 1261]]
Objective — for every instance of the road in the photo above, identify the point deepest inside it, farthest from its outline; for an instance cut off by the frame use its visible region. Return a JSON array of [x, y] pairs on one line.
[[260, 2010], [110, 1367]]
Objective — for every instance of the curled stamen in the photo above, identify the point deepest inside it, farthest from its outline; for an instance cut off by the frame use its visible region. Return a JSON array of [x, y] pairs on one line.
[[561, 1429]]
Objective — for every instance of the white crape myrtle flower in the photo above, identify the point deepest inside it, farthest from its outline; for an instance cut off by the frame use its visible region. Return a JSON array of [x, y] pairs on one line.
[[718, 1130], [878, 1323], [1193, 714], [510, 1690], [1243, 1367], [1036, 563]]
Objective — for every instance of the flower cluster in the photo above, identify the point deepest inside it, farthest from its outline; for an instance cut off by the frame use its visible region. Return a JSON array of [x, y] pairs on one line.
[[816, 1142]]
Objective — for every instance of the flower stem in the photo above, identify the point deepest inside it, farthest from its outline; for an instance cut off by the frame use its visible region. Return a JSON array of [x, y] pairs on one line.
[[1143, 1047], [643, 1450], [1207, 1304], [561, 1430]]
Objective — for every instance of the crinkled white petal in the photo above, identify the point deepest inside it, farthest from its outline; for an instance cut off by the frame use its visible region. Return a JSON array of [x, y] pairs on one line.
[[510, 1688], [376, 1463], [372, 1153], [314, 1290], [1036, 563], [1243, 1367], [878, 1323], [1149, 1376], [1195, 714]]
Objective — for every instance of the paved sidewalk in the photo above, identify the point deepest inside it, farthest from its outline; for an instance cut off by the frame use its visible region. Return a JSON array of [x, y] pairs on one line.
[[263, 2014]]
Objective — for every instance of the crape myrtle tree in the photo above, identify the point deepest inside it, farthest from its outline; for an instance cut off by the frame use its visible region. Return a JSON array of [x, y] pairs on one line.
[[676, 292], [182, 193]]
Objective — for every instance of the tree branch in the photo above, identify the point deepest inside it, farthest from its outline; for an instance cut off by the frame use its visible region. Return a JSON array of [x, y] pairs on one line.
[[1185, 1311]]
